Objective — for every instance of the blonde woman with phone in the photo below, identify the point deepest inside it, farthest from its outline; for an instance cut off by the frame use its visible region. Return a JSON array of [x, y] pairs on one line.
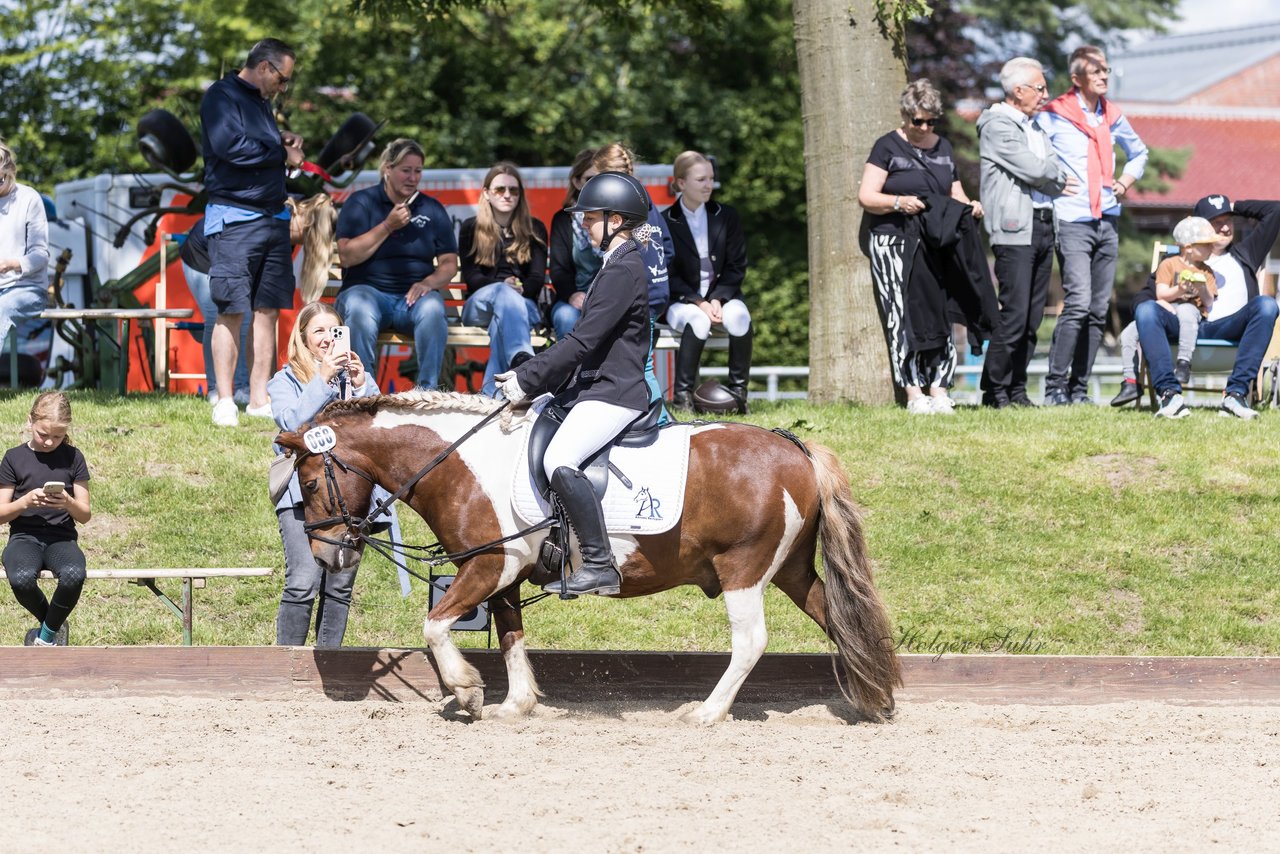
[[44, 493], [322, 368]]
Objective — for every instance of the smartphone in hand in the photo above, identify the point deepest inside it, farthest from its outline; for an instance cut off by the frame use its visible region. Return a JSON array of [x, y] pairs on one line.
[[54, 487], [341, 337]]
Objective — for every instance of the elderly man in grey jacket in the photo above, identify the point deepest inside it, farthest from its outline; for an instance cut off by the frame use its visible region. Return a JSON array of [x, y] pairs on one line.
[[1020, 176]]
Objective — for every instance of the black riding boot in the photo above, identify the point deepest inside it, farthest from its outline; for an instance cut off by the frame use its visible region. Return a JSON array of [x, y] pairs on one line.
[[598, 573], [688, 358], [740, 368]]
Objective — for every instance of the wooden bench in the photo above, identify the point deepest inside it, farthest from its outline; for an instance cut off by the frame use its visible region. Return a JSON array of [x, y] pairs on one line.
[[192, 578], [460, 336], [465, 337], [123, 317]]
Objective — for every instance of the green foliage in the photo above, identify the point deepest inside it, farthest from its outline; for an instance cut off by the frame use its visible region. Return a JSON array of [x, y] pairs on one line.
[[1047, 29], [893, 16], [1097, 531]]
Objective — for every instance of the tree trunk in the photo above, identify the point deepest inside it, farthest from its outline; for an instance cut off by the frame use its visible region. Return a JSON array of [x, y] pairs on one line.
[[850, 83]]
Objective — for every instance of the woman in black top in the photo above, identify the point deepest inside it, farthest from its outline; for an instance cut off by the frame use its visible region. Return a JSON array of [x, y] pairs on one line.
[[598, 372], [906, 165], [569, 246], [44, 492], [504, 263]]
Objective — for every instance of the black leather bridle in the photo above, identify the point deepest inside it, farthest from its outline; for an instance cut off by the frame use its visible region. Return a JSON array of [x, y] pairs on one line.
[[359, 529]]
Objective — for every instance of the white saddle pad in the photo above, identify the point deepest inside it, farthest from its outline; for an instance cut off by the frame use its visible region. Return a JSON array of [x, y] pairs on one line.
[[651, 505]]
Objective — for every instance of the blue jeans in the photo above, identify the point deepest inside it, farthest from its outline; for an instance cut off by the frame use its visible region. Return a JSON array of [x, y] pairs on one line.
[[563, 318], [198, 284], [19, 303], [307, 587], [1087, 258], [1250, 328], [510, 318], [368, 311]]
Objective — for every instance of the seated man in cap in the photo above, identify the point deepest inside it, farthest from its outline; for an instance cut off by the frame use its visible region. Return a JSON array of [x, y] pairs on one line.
[[1240, 313]]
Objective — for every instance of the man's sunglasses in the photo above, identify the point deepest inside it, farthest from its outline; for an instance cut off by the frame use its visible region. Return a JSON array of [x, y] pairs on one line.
[[284, 81]]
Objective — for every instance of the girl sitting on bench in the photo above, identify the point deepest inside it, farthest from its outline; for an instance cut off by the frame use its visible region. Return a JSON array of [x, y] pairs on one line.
[[44, 492]]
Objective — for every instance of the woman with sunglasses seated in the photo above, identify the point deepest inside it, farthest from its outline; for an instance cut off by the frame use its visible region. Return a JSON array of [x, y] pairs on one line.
[[906, 165], [504, 265]]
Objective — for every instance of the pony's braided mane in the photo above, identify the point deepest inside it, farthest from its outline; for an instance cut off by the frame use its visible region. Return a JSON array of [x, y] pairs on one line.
[[422, 400]]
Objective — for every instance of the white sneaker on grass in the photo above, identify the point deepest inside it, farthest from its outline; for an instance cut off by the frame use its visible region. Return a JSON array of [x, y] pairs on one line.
[[1172, 406], [1233, 406], [263, 411], [225, 413], [942, 405], [919, 406]]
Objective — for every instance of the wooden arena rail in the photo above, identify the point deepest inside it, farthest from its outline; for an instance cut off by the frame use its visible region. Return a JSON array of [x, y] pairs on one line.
[[191, 578], [658, 679]]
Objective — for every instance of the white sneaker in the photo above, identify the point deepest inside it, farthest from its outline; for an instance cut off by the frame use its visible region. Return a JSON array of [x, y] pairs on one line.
[[225, 413], [1233, 406], [920, 406], [942, 405], [263, 411], [1172, 406]]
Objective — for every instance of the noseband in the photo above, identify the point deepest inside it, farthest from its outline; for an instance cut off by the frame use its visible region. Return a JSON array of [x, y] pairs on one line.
[[357, 530]]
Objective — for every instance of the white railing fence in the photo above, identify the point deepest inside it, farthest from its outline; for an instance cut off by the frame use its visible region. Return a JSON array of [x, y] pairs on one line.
[[1103, 382]]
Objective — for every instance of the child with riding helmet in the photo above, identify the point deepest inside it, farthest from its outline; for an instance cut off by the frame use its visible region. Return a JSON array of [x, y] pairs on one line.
[[597, 371]]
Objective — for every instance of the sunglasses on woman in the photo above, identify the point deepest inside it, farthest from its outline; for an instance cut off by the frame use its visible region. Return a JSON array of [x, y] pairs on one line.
[[924, 123], [503, 191]]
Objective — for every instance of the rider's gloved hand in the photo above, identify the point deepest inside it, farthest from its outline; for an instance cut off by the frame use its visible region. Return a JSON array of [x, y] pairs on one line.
[[510, 386]]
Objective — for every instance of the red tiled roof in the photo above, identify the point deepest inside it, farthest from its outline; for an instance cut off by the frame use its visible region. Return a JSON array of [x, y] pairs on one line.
[[1232, 155]]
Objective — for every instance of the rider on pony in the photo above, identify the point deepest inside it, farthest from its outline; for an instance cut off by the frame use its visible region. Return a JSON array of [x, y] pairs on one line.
[[599, 371]]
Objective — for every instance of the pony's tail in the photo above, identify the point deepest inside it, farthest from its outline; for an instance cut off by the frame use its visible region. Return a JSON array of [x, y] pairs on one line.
[[857, 620]]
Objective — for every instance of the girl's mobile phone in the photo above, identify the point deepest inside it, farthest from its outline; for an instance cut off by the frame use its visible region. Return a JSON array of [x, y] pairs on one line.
[[341, 337], [54, 487]]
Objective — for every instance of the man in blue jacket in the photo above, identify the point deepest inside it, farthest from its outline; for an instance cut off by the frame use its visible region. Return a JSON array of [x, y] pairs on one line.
[[250, 264]]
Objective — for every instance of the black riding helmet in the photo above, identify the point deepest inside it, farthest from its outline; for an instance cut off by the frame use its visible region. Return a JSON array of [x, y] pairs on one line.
[[614, 193]]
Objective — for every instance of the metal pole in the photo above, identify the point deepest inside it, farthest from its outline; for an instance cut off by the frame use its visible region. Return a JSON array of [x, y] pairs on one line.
[[186, 612]]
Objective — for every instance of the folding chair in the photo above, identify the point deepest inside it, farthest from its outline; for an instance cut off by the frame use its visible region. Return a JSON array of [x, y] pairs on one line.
[[1212, 355]]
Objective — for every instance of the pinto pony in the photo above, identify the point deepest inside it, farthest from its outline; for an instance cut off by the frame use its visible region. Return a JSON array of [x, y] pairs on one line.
[[756, 504]]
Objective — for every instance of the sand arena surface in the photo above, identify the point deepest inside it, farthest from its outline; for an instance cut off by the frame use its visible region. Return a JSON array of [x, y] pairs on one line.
[[147, 774]]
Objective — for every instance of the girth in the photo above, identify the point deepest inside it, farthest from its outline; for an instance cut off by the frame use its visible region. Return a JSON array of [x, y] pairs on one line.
[[639, 434]]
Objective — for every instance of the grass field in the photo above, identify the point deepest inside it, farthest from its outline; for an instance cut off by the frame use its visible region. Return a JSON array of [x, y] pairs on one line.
[[1078, 531]]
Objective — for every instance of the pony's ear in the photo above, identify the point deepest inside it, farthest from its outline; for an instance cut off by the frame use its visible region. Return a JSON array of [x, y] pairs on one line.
[[291, 442]]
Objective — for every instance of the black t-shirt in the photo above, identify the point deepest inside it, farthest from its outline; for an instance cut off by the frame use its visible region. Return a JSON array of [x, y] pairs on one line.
[[25, 470], [906, 166]]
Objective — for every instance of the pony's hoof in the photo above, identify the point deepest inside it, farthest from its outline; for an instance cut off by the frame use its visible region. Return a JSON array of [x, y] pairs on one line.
[[471, 700], [509, 713], [700, 717]]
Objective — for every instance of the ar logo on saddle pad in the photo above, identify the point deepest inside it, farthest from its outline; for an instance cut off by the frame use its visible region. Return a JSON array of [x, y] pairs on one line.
[[320, 439], [649, 506]]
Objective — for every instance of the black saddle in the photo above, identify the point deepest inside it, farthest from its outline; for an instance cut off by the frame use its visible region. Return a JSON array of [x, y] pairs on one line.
[[641, 433]]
